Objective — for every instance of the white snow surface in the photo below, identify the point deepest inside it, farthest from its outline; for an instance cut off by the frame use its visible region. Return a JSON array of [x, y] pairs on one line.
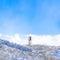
[[53, 40]]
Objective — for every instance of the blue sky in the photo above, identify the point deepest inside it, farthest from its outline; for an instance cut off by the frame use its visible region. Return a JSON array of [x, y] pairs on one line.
[[41, 17]]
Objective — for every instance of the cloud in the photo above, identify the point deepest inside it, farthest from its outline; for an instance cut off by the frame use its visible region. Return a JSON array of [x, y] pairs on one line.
[[0, 35], [52, 40], [46, 40], [16, 38]]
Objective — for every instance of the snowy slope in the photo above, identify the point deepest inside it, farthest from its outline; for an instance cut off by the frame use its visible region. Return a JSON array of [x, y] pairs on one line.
[[10, 51], [14, 45]]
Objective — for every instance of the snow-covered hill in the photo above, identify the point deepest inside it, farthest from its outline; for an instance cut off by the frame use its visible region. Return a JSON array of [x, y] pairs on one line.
[[10, 51]]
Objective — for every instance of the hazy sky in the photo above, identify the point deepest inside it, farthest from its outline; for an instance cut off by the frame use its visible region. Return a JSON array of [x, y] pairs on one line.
[[39, 17]]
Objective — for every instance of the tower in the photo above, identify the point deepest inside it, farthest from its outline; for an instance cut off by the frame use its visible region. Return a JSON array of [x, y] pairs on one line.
[[29, 43]]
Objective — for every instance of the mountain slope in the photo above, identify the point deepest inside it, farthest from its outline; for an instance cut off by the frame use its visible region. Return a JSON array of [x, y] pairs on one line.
[[10, 51]]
